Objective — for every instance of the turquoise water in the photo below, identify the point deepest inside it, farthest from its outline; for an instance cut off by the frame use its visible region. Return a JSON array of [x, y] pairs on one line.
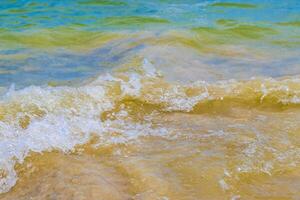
[[88, 14], [60, 41]]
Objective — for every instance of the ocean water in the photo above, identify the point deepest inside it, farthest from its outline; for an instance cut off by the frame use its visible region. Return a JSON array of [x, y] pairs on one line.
[[149, 100]]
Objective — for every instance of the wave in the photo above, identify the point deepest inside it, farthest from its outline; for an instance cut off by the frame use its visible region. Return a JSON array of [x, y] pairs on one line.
[[40, 119]]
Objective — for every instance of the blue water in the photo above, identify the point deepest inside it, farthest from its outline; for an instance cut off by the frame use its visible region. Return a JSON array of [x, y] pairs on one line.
[[28, 16], [16, 15]]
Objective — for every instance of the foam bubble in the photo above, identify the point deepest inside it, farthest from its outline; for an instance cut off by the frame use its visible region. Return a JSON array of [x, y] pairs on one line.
[[39, 119]]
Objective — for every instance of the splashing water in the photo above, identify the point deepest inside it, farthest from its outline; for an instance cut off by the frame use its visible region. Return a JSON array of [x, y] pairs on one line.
[[138, 107], [149, 100]]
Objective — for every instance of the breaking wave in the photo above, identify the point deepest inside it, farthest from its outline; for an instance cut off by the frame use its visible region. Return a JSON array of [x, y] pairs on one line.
[[41, 119]]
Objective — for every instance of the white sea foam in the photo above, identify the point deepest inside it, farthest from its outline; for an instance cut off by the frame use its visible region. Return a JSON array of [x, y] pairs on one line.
[[59, 118]]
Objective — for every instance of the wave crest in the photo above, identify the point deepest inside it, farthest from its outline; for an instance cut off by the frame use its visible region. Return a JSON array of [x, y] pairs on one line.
[[39, 119]]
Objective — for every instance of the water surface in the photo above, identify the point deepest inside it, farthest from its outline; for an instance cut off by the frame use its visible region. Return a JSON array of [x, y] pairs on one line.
[[129, 99]]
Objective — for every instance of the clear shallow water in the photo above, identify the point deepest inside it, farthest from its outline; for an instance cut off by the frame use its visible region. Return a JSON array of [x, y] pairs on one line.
[[46, 41], [149, 100]]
